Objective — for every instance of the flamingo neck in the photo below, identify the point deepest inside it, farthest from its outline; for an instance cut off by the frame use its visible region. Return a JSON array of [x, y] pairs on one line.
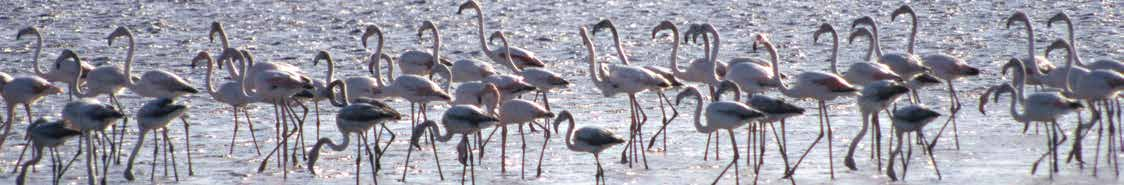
[[570, 135], [209, 76], [674, 65], [1033, 63], [773, 59], [128, 60], [714, 59], [480, 29], [35, 58], [698, 117], [834, 53], [912, 33], [877, 45], [620, 48]]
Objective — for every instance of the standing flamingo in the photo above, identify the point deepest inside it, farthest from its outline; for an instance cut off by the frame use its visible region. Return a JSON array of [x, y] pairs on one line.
[[539, 77], [153, 115], [875, 96], [1102, 63], [61, 72], [28, 90], [905, 64], [459, 119], [673, 74], [816, 85], [229, 93], [1037, 65], [1096, 86], [522, 58], [727, 115], [1040, 107], [623, 79], [419, 62], [943, 66], [354, 118], [861, 73], [89, 116], [912, 118], [44, 134], [589, 139]]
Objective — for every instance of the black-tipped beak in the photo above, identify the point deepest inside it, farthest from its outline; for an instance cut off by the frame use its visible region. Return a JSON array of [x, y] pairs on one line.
[[1076, 105], [972, 71]]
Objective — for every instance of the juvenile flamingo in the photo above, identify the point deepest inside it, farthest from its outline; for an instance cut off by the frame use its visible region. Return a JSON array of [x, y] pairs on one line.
[[589, 139]]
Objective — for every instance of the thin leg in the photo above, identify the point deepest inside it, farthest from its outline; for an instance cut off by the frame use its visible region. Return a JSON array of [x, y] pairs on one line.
[[830, 151], [187, 145], [250, 123], [789, 173], [235, 135], [849, 160]]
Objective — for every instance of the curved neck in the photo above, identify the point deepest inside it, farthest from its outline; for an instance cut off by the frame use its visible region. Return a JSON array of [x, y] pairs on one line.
[[331, 70], [874, 41], [1070, 57], [698, 116], [480, 30], [834, 53], [1030, 47], [713, 61], [594, 72], [1014, 111], [1073, 42], [343, 91], [706, 47], [373, 65], [436, 47], [77, 78], [128, 59], [912, 32], [38, 48], [207, 79], [617, 43], [776, 64], [674, 59], [507, 54], [570, 134]]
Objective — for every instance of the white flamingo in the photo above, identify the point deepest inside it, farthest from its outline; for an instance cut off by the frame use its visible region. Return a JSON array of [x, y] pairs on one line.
[[355, 117], [153, 115], [522, 58], [1097, 86], [617, 79], [589, 139], [422, 63], [229, 93], [863, 72], [88, 116], [1039, 64], [62, 71], [1037, 107], [905, 64], [943, 66], [26, 91], [1101, 63], [722, 115], [815, 85]]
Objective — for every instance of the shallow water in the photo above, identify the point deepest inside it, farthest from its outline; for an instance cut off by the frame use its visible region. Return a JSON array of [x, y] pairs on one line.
[[169, 34]]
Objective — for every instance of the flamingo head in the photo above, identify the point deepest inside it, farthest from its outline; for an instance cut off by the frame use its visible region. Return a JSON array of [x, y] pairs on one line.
[[904, 9], [1061, 16], [1017, 17]]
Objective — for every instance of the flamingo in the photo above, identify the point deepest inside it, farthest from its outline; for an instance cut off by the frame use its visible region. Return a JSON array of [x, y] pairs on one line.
[[542, 79], [519, 112], [419, 62], [1102, 63], [623, 79], [354, 118], [637, 131], [905, 64], [26, 91], [523, 58], [589, 139], [863, 72], [88, 116], [875, 96], [815, 85], [774, 110], [229, 93], [61, 72], [275, 83], [943, 66], [1040, 107], [47, 134], [673, 74], [153, 115], [727, 115], [463, 120], [364, 87], [155, 84], [1038, 65], [908, 119], [1096, 86]]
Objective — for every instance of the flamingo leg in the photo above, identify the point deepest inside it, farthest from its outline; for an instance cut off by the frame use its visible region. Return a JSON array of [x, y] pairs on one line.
[[936, 168], [250, 123], [733, 162], [124, 128], [523, 157], [830, 151], [187, 144], [849, 160], [316, 107], [234, 136], [953, 110], [172, 147], [370, 157], [133, 155], [780, 147], [8, 124], [894, 154], [546, 140], [433, 145], [358, 157], [789, 173]]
